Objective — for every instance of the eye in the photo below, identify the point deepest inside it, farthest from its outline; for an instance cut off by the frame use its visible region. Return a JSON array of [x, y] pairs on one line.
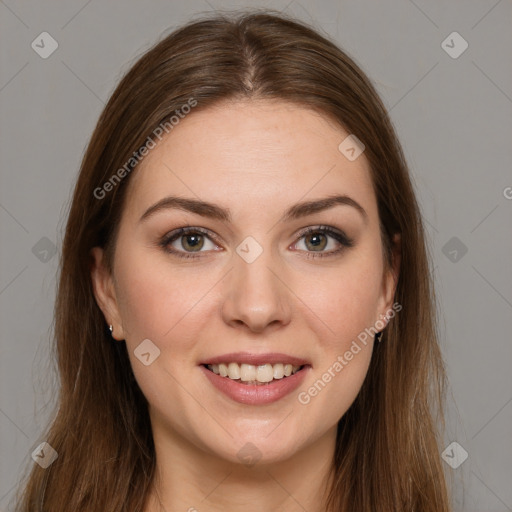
[[188, 242], [316, 240], [183, 242]]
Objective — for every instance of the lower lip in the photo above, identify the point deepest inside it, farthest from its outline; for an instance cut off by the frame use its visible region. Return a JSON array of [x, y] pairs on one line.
[[254, 394]]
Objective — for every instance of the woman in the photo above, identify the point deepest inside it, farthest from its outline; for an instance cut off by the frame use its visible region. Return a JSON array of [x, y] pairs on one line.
[[245, 315]]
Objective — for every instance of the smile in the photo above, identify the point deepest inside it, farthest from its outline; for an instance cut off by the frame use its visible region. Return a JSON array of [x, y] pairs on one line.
[[254, 374], [252, 391]]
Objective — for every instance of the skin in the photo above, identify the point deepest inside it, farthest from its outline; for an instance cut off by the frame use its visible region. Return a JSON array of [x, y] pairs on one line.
[[256, 158]]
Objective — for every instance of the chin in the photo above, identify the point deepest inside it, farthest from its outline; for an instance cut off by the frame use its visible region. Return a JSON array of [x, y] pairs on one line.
[[257, 448]]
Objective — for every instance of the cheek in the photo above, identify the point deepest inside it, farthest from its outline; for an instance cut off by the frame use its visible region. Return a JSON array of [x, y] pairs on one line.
[[155, 301], [160, 304], [346, 299], [346, 305], [346, 302]]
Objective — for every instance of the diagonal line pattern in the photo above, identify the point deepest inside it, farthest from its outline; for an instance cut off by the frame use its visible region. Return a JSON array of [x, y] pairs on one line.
[[13, 279], [495, 289], [75, 15], [490, 490], [279, 424], [8, 492], [301, 300], [198, 302], [83, 83], [492, 211], [485, 15], [13, 13], [14, 423], [212, 7], [424, 14], [197, 401], [308, 191], [217, 486], [287, 5], [14, 218], [496, 414], [492, 81], [181, 180], [13, 77], [287, 492], [414, 86]]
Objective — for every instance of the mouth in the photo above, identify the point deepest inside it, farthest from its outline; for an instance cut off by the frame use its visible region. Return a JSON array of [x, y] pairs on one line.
[[255, 375], [255, 379], [257, 384]]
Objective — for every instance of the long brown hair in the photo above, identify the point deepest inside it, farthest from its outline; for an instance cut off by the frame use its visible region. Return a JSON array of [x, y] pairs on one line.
[[387, 450]]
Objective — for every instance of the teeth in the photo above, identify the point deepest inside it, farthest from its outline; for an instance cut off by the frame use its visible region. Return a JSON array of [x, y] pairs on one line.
[[247, 372], [254, 374], [233, 371], [264, 373], [278, 371]]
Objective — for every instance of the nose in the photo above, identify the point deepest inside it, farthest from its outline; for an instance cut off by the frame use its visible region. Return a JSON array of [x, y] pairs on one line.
[[256, 296]]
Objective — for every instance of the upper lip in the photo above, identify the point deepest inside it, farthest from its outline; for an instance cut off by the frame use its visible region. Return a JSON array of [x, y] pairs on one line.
[[256, 359]]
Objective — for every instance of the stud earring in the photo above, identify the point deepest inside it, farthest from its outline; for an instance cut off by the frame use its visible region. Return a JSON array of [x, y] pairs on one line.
[[111, 329]]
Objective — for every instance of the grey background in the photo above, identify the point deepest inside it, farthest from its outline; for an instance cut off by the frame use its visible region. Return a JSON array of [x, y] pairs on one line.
[[454, 119]]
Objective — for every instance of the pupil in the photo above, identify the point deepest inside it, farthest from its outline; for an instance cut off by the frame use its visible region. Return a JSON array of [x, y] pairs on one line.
[[317, 240], [196, 241]]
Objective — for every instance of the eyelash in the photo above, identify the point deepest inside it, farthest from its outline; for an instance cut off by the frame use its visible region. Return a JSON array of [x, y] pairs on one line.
[[340, 237]]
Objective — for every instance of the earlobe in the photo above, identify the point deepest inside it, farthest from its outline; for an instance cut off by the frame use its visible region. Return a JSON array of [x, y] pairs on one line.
[[396, 254], [104, 292], [391, 275]]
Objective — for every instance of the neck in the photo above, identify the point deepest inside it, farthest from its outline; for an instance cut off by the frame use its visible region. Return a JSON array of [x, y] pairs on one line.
[[191, 479]]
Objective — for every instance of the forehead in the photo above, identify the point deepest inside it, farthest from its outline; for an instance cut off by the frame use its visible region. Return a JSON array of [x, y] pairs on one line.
[[251, 154]]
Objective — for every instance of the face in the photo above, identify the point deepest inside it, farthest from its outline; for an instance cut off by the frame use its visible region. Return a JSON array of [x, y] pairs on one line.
[[255, 280]]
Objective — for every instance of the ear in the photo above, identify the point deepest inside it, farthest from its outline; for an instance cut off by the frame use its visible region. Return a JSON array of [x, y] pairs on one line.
[[105, 294], [390, 278]]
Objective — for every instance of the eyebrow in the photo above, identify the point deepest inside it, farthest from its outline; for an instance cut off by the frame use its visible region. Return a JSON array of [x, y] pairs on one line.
[[217, 212]]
